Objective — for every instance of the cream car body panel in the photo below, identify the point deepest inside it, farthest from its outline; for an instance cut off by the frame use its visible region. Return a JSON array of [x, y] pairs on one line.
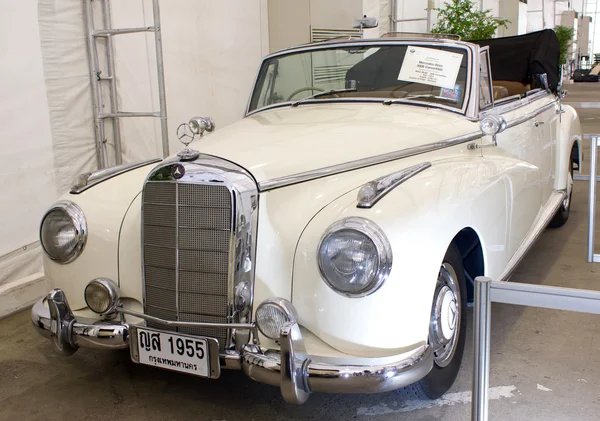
[[281, 142], [451, 196], [104, 206], [306, 165]]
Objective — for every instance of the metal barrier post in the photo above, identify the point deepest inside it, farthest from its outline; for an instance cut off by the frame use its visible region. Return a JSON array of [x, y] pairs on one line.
[[481, 344], [591, 257]]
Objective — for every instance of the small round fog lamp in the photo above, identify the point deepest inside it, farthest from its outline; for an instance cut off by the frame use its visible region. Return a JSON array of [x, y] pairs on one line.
[[272, 314], [102, 296]]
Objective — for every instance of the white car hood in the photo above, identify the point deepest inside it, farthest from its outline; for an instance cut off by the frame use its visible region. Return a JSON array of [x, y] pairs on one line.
[[286, 141]]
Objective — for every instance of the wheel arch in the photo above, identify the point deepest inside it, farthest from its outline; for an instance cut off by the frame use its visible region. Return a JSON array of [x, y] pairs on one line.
[[470, 247], [576, 154]]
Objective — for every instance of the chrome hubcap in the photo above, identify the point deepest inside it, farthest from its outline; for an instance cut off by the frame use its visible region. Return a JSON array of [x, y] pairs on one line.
[[445, 316], [567, 201]]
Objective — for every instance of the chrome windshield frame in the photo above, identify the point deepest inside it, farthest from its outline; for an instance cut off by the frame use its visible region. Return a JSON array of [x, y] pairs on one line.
[[470, 103]]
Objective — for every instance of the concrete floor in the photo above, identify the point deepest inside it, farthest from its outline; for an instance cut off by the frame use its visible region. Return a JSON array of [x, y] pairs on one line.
[[545, 363]]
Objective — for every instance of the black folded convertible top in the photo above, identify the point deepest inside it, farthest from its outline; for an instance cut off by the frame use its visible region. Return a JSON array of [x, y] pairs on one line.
[[518, 58]]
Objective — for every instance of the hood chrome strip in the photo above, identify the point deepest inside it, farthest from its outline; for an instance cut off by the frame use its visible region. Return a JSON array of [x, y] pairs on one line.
[[373, 191], [288, 180], [88, 180]]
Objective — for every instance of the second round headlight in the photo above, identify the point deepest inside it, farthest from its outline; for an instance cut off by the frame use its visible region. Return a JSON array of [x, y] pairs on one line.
[[354, 257]]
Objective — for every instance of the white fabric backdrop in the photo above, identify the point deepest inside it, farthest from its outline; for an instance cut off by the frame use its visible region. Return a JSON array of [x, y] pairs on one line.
[[211, 50]]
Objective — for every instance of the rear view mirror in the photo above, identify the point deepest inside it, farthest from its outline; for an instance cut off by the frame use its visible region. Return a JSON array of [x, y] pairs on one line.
[[365, 23]]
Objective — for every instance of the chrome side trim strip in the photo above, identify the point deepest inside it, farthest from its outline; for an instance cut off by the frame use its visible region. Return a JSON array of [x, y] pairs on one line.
[[529, 116], [288, 180], [185, 324], [88, 180], [375, 190], [547, 213], [514, 102]]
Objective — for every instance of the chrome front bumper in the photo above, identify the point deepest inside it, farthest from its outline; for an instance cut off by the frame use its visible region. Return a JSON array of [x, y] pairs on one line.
[[290, 368]]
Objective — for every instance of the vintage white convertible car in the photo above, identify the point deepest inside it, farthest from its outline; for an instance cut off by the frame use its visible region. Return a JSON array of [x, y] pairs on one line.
[[328, 241]]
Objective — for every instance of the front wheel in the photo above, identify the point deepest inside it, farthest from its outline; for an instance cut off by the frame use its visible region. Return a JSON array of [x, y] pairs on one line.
[[562, 214], [447, 331]]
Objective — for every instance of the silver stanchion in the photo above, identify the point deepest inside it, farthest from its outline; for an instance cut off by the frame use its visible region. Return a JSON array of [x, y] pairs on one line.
[[591, 257], [481, 344]]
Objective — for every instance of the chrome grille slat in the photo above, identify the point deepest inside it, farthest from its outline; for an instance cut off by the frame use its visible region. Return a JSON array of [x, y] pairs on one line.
[[160, 297], [161, 215], [187, 241], [202, 304], [159, 192], [204, 239], [160, 236], [195, 217], [203, 261], [206, 331], [160, 256], [205, 196], [204, 283]]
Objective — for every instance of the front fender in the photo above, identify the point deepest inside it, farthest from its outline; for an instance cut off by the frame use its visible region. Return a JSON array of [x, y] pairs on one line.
[[569, 135], [104, 207], [420, 218]]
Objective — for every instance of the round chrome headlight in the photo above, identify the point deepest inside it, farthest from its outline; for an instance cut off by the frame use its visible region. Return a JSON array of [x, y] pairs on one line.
[[355, 257], [101, 296], [272, 314], [63, 232]]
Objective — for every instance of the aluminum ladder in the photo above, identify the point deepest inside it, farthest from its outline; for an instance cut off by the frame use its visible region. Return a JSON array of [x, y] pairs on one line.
[[98, 77]]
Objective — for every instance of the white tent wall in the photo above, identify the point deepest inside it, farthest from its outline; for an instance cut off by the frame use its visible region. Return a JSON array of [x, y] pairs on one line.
[[30, 178], [211, 49]]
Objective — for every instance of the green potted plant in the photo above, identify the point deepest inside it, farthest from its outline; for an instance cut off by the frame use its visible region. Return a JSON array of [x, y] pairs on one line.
[[565, 38], [461, 17]]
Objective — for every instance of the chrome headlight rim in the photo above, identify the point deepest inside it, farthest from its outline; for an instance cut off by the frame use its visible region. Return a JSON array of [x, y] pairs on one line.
[[282, 304], [371, 230], [77, 217], [113, 292]]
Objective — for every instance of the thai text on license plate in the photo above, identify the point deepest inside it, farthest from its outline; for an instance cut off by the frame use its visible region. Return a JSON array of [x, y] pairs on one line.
[[176, 352]]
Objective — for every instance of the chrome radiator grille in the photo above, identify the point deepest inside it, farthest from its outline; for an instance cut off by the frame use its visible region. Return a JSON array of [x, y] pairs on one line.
[[186, 249]]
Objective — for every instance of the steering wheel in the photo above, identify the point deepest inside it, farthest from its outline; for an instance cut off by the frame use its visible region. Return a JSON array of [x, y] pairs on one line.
[[306, 88]]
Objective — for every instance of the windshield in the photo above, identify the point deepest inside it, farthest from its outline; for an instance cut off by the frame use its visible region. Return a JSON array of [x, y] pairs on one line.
[[435, 74]]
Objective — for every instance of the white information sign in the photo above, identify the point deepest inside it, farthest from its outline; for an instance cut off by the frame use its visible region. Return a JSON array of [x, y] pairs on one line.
[[430, 66]]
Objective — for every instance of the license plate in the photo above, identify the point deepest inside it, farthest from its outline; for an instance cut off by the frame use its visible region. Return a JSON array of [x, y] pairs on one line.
[[172, 351]]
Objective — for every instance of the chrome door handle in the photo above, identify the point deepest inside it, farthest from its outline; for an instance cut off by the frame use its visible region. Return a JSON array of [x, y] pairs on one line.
[[538, 123]]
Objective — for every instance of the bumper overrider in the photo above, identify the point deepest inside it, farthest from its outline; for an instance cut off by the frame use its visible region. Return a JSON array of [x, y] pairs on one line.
[[290, 367]]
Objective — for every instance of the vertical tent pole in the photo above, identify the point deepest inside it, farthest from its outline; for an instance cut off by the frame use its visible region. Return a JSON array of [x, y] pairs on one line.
[[110, 61], [101, 153], [161, 79], [481, 345], [592, 204]]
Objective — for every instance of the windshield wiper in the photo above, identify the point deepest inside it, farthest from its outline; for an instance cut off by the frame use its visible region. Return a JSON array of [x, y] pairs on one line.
[[408, 98], [324, 93]]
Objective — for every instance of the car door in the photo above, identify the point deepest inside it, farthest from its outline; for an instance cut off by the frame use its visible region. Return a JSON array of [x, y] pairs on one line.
[[546, 122], [517, 151]]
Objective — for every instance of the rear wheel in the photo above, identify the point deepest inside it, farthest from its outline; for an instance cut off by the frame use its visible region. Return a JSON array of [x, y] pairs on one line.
[[447, 330], [562, 214]]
